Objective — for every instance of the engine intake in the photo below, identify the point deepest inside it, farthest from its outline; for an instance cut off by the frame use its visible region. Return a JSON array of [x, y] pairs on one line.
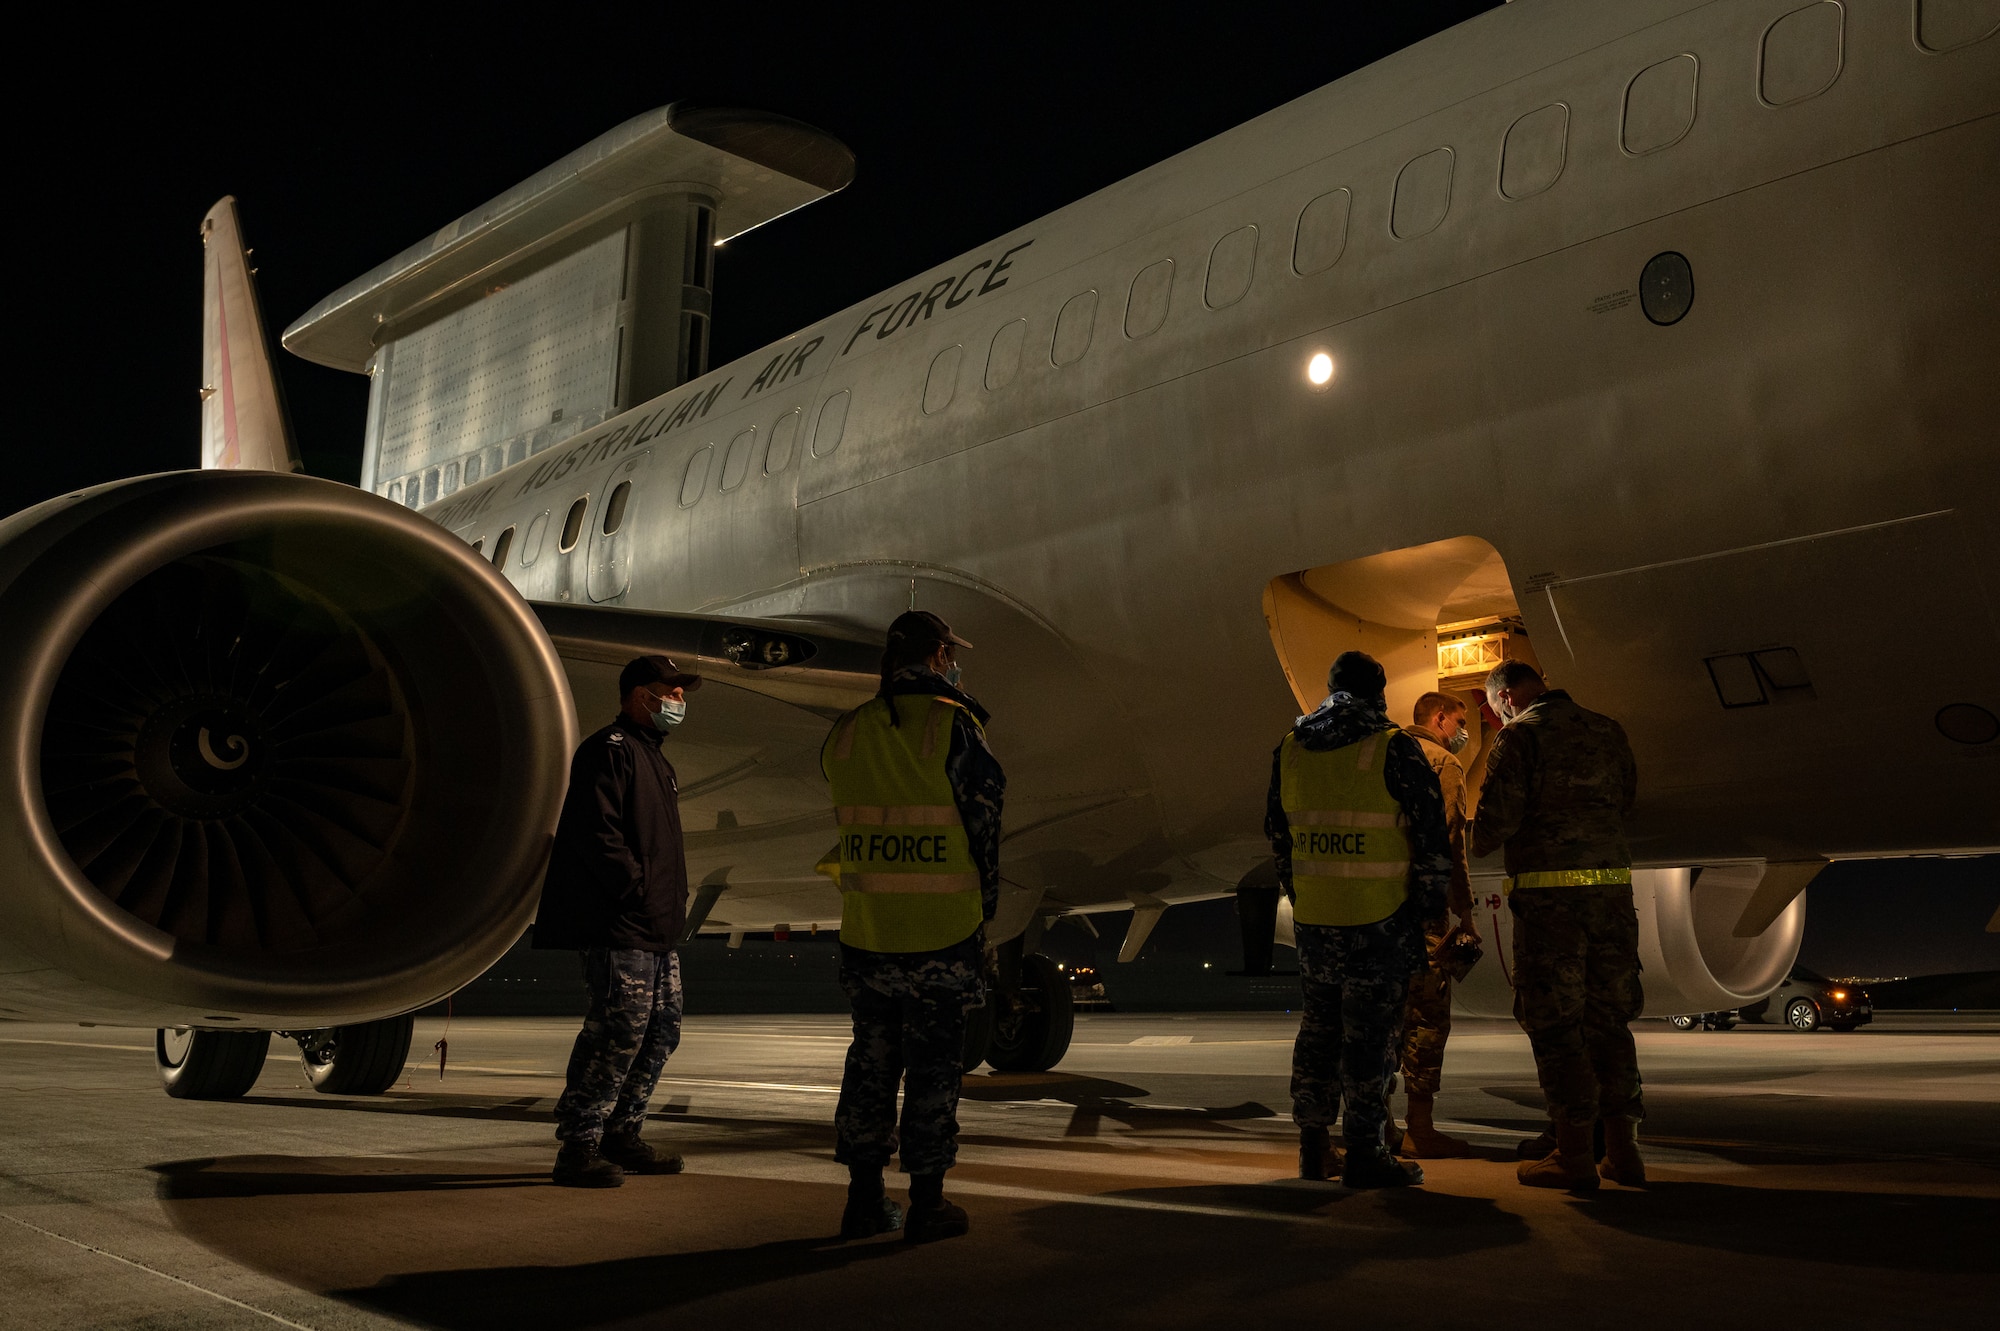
[[284, 754]]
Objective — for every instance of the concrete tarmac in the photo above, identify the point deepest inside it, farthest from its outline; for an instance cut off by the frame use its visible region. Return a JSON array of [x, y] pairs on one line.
[[1796, 1180]]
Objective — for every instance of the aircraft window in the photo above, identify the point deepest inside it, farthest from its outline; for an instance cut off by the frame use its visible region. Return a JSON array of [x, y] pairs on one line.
[[1423, 194], [614, 508], [1752, 679], [1146, 305], [830, 424], [479, 545], [1967, 723], [531, 545], [1073, 328], [1946, 25], [694, 483], [1322, 233], [736, 462], [1801, 56], [1003, 358], [413, 491], [1666, 288], [473, 466], [395, 492], [430, 485], [496, 458], [1532, 157], [784, 434], [1659, 105], [517, 451], [501, 544], [1230, 266], [942, 381], [573, 525], [450, 477]]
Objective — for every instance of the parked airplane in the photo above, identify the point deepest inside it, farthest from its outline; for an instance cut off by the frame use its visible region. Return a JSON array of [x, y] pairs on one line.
[[1650, 342]]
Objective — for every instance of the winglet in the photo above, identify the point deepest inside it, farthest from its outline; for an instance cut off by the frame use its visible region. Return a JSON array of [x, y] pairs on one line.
[[243, 424]]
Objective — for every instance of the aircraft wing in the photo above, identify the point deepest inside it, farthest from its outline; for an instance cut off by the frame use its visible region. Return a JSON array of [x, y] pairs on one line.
[[822, 667]]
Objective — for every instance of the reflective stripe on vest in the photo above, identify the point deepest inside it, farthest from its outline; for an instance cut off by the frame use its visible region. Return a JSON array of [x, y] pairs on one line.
[[1570, 878], [1350, 854], [907, 880]]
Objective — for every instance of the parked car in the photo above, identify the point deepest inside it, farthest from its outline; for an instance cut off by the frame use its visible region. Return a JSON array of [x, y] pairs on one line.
[[1806, 1001]]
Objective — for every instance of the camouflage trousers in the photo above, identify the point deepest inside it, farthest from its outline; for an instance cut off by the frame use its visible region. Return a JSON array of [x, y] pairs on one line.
[[1576, 986], [1427, 1018], [1356, 980], [909, 1028], [633, 1025]]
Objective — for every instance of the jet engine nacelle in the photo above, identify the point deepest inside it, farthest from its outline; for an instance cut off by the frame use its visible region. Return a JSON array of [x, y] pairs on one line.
[[1690, 957], [276, 753]]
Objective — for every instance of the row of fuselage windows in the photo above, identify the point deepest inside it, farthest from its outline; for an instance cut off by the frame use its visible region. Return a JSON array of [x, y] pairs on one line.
[[1800, 58], [615, 508]]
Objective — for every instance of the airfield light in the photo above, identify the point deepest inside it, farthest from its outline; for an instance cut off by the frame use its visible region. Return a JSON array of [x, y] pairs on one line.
[[1319, 370]]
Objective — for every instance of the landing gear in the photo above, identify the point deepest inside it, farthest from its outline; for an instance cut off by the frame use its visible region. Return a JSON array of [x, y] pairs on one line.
[[1033, 1017], [356, 1060], [209, 1065]]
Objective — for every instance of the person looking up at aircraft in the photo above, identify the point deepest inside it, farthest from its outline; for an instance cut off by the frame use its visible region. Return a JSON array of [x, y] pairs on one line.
[[1559, 784], [1357, 827], [918, 797], [1439, 730], [616, 892]]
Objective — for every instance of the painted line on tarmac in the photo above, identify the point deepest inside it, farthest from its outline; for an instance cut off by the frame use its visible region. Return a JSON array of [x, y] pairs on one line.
[[155, 1271], [664, 1081], [84, 1044]]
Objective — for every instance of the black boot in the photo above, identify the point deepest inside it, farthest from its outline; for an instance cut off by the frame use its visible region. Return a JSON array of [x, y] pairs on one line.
[[1376, 1168], [868, 1211], [931, 1216], [636, 1157], [1316, 1160], [578, 1165]]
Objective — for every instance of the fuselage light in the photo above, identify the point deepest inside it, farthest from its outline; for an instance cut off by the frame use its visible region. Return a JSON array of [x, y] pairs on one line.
[[1319, 370]]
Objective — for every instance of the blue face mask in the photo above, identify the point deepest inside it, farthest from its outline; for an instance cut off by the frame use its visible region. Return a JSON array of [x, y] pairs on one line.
[[670, 714], [952, 674], [1458, 741]]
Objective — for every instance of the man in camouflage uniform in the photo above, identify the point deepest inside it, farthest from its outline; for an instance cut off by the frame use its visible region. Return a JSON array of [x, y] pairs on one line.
[[1356, 978], [616, 892], [1439, 730], [909, 1008], [1558, 787]]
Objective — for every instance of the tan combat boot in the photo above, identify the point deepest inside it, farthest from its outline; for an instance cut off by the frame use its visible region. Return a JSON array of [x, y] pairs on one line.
[[1622, 1162], [1570, 1167], [1423, 1140]]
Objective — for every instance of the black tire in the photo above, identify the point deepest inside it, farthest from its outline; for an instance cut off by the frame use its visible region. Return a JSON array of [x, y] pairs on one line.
[[1725, 1023], [1802, 1014], [357, 1060], [209, 1065], [1842, 1027], [1684, 1023], [978, 1035], [1035, 1036]]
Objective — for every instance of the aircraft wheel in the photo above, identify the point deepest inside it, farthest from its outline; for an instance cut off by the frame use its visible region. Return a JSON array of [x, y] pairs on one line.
[[209, 1065], [357, 1060], [978, 1034], [1802, 1015], [1032, 1033]]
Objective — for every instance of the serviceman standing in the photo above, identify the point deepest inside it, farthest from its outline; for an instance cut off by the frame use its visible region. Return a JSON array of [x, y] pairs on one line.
[[1357, 826], [1439, 730], [616, 892], [917, 795], [1558, 787]]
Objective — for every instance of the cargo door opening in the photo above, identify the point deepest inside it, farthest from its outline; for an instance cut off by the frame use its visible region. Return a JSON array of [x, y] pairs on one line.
[[1438, 617]]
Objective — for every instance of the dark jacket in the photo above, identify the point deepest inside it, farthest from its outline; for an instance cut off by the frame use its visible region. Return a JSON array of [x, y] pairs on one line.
[[1559, 783], [618, 875], [1344, 719]]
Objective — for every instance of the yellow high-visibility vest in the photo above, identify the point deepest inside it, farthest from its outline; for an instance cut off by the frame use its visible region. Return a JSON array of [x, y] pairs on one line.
[[907, 880], [1350, 853]]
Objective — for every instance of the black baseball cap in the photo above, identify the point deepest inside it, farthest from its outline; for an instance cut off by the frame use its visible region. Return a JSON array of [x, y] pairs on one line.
[[921, 627], [643, 670]]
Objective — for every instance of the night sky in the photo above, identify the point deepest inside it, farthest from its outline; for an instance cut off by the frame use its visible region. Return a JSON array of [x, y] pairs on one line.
[[348, 138]]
